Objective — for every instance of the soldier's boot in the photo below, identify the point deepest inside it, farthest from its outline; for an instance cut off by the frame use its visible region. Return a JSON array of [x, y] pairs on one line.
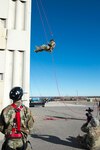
[[79, 138], [81, 141], [37, 49], [50, 51]]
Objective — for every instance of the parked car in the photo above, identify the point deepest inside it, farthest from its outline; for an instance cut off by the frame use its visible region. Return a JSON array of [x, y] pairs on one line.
[[37, 102]]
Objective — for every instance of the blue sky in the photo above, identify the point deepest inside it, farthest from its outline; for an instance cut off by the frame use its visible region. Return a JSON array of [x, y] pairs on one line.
[[73, 68]]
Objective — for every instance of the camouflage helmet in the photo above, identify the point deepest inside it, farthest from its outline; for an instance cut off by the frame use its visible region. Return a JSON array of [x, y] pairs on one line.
[[16, 93], [94, 122]]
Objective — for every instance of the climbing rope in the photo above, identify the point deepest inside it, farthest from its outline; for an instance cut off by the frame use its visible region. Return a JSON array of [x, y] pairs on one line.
[[51, 33], [49, 27], [55, 74], [42, 21]]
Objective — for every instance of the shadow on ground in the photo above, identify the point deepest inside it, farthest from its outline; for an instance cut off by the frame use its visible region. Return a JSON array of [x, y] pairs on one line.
[[71, 141]]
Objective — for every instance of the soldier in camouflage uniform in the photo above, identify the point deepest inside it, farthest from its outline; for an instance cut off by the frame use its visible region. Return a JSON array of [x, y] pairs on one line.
[[91, 140], [48, 48], [7, 123]]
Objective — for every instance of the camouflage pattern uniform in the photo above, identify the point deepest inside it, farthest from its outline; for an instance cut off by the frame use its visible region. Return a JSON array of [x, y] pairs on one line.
[[98, 110], [91, 140], [6, 123], [44, 47]]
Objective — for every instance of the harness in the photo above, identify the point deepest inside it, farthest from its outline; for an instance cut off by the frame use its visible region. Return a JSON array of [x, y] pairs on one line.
[[16, 132]]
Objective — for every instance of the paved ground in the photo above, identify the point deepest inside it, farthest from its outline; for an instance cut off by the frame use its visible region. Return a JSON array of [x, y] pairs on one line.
[[56, 127]]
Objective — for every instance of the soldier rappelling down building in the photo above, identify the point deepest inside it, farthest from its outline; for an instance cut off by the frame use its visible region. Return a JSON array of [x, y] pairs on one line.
[[16, 122], [49, 47]]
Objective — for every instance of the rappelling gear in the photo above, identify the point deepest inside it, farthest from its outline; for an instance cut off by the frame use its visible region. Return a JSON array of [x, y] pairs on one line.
[[16, 132]]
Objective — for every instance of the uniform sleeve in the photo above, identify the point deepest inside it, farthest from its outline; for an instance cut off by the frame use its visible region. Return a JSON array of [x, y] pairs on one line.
[[2, 123], [30, 122], [85, 127]]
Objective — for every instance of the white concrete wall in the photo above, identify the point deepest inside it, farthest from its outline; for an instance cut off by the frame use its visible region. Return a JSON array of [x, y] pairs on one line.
[[15, 17]]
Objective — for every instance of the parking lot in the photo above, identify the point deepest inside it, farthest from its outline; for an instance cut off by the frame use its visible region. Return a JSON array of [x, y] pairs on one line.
[[56, 127]]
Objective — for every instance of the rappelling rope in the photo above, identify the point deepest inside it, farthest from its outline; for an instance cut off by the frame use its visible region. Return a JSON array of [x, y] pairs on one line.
[[47, 38], [49, 27], [55, 74], [69, 115], [42, 21]]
